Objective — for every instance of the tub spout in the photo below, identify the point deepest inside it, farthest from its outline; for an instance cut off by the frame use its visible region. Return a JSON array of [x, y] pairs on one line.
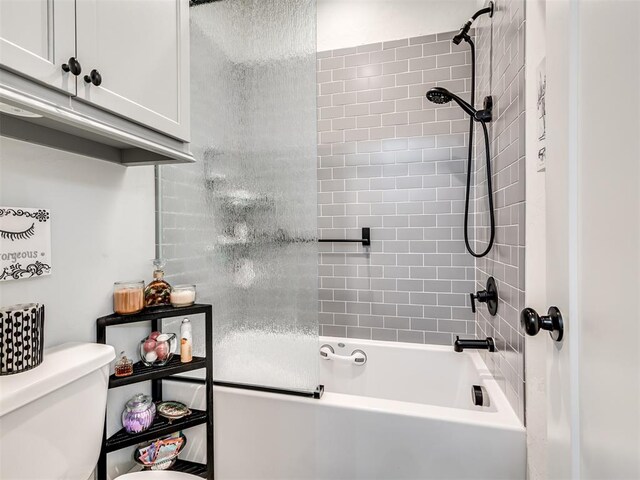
[[487, 344]]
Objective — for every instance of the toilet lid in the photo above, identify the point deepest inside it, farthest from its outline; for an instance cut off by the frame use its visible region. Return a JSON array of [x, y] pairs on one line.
[[157, 475]]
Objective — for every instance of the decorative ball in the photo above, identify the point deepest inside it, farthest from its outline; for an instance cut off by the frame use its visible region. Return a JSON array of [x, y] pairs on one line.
[[151, 356], [162, 350], [163, 337], [149, 345]]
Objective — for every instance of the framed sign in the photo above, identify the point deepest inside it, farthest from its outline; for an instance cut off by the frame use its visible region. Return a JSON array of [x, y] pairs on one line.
[[25, 243]]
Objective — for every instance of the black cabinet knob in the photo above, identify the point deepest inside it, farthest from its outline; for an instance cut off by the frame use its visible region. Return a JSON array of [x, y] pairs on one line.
[[488, 296], [72, 66], [552, 322], [94, 77]]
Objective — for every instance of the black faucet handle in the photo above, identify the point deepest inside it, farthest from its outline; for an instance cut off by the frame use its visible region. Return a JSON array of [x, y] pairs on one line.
[[482, 296], [488, 296]]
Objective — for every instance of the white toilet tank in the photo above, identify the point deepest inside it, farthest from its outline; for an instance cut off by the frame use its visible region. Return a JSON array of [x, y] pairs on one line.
[[52, 417]]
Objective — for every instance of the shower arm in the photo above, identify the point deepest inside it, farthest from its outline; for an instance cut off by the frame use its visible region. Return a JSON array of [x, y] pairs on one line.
[[463, 34]]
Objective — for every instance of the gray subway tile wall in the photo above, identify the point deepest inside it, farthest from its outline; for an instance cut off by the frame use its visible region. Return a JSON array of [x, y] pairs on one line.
[[391, 160], [501, 73]]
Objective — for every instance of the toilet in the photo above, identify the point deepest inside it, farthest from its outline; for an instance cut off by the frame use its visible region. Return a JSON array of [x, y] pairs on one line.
[[52, 417]]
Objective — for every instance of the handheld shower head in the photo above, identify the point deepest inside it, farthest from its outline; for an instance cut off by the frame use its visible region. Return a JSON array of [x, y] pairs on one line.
[[440, 96]]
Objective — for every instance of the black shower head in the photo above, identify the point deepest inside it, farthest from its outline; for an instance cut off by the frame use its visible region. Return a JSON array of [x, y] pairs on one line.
[[463, 34], [440, 96]]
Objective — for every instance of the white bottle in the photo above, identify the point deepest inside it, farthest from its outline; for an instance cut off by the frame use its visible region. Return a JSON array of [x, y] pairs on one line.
[[186, 341]]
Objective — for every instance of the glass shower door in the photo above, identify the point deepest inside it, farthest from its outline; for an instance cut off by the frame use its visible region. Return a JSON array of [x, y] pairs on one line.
[[243, 218]]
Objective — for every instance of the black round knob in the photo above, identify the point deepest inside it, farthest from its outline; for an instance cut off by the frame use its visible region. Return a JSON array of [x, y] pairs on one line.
[[72, 66], [530, 321], [552, 322], [94, 77]]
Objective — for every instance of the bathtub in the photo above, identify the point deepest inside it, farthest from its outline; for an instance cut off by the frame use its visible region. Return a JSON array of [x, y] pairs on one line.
[[407, 413]]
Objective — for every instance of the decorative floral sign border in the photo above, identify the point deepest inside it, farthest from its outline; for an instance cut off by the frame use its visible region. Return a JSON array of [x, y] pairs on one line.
[[16, 271], [41, 215]]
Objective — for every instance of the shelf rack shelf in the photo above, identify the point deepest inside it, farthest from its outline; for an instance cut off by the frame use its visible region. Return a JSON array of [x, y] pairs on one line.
[[193, 468], [141, 372], [160, 428], [155, 375]]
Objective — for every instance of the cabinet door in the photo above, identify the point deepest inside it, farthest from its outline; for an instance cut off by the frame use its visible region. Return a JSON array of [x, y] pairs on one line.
[[141, 51], [37, 37]]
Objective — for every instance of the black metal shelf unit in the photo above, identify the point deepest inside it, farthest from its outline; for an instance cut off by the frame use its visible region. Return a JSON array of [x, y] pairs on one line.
[[141, 373]]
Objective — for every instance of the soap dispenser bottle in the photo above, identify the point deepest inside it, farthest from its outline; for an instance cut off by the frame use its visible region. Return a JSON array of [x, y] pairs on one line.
[[158, 292]]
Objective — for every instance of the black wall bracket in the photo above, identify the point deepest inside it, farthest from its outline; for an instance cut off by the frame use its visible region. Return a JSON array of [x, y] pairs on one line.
[[486, 114], [365, 240]]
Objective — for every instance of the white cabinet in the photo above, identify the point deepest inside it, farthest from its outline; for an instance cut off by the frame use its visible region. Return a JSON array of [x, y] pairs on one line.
[[37, 37], [140, 50], [134, 57]]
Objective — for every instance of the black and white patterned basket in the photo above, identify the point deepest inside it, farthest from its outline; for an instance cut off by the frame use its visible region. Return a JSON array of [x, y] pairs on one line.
[[21, 337]]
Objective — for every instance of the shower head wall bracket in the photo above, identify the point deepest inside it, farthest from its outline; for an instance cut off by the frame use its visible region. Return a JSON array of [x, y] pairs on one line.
[[486, 114]]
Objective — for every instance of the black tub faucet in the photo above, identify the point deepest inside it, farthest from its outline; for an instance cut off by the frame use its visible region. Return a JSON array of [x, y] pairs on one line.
[[487, 344]]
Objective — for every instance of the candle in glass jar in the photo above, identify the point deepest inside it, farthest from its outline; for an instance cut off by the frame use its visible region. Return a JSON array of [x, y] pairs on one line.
[[183, 295], [128, 297]]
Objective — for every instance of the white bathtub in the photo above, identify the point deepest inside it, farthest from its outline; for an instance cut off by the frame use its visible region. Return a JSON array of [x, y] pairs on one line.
[[406, 414]]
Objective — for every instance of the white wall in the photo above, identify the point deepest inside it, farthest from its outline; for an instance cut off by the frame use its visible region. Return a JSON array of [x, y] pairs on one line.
[[535, 257], [102, 220], [102, 230], [347, 23]]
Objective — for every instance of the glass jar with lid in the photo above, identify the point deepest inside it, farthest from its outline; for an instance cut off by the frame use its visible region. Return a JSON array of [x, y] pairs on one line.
[[124, 366], [128, 297], [139, 413]]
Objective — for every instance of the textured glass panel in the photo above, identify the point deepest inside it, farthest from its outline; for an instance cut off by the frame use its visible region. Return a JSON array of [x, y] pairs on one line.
[[243, 219]]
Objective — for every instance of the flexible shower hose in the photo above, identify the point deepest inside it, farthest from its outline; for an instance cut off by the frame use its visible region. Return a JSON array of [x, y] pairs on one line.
[[470, 165]]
